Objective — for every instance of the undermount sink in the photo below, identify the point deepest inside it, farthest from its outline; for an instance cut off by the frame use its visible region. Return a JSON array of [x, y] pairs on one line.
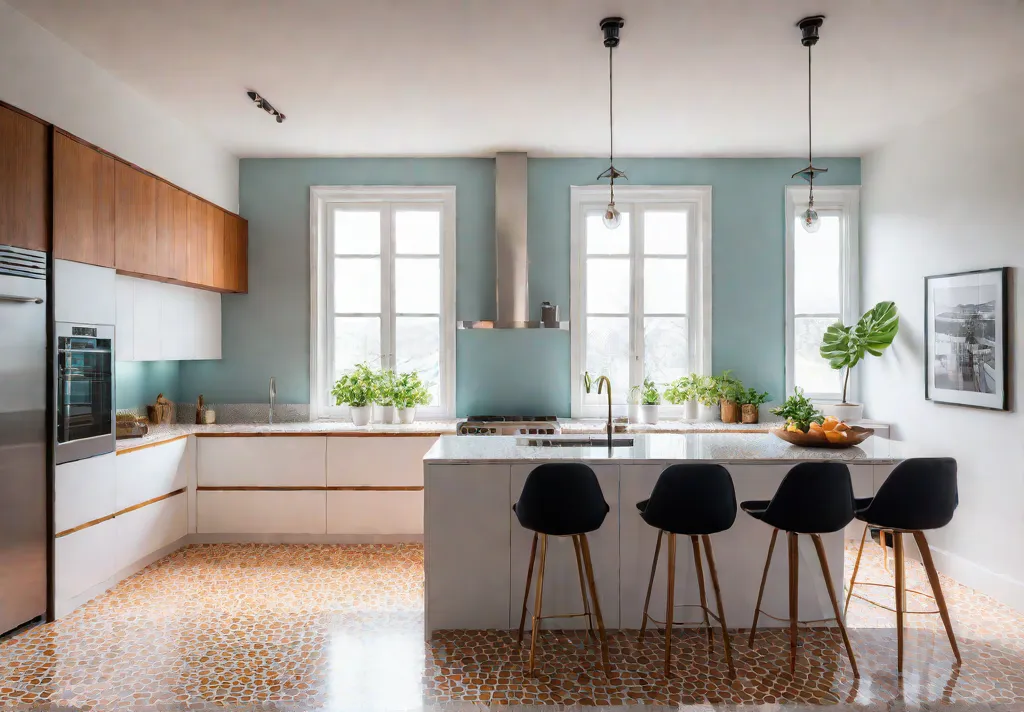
[[595, 441]]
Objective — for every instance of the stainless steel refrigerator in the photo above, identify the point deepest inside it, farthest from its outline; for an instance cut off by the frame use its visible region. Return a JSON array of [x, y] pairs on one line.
[[24, 528]]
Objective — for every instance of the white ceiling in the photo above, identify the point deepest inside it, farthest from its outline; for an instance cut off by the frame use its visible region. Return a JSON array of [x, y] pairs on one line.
[[470, 77]]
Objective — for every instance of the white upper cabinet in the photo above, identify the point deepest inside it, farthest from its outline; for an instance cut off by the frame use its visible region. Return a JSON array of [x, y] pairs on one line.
[[165, 322], [83, 294]]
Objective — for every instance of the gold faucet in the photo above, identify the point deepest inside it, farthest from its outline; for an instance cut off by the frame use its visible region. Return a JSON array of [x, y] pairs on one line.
[[600, 383]]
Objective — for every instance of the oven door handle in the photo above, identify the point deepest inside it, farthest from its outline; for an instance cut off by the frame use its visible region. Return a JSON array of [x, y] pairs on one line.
[[85, 351], [20, 300]]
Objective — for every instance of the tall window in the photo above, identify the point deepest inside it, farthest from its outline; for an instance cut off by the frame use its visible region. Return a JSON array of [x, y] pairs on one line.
[[383, 263], [821, 284], [641, 294]]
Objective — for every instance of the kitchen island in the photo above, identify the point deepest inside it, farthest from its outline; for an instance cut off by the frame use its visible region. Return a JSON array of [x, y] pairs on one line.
[[476, 553]]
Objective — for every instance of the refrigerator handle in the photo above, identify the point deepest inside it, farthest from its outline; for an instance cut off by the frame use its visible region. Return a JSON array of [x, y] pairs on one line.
[[20, 300]]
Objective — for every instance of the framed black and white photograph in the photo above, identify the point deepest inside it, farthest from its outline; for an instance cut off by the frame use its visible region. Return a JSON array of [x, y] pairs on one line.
[[966, 344]]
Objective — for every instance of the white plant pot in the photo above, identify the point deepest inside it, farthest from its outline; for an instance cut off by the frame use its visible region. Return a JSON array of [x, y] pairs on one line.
[[406, 415], [648, 414], [386, 414], [690, 410], [846, 412], [708, 413], [633, 413], [360, 415]]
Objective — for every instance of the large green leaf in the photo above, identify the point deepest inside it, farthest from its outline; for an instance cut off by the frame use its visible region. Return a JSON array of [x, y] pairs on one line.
[[844, 346]]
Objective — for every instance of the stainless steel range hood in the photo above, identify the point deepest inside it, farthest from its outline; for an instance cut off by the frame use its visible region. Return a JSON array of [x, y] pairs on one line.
[[513, 264]]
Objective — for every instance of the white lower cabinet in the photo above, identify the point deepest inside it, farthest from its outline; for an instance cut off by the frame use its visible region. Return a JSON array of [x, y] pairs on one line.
[[377, 461], [165, 322], [375, 513], [84, 491], [142, 531], [261, 512], [262, 461], [84, 560], [152, 472]]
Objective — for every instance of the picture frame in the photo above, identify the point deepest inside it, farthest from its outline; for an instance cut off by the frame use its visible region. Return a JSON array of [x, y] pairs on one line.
[[967, 340]]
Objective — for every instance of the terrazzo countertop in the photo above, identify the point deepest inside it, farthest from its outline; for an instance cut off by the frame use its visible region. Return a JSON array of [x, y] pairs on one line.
[[694, 447]]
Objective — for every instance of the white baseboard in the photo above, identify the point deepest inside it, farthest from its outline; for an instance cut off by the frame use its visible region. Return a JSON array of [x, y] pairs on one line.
[[1004, 589], [305, 539], [63, 608]]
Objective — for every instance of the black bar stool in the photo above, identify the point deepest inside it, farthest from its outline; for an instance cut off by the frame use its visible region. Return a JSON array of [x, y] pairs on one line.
[[694, 501], [814, 498], [562, 499], [918, 495]]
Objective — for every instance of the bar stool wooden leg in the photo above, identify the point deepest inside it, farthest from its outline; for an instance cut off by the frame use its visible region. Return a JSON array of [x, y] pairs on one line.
[[940, 600], [670, 598], [650, 585], [703, 592], [718, 601], [583, 586], [589, 565], [856, 567], [820, 548], [526, 595], [794, 596], [901, 595], [764, 579], [538, 607]]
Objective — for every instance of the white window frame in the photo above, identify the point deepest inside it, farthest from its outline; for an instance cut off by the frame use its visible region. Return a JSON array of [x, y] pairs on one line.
[[846, 200], [697, 198], [322, 200]]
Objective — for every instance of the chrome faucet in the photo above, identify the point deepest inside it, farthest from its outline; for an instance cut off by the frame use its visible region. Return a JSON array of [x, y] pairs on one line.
[[601, 382], [273, 397]]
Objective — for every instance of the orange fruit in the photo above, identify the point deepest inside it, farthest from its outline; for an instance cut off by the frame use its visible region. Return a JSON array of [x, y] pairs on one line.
[[829, 424], [835, 436], [841, 427]]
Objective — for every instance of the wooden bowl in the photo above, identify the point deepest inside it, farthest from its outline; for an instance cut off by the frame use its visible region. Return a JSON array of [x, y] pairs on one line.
[[854, 436]]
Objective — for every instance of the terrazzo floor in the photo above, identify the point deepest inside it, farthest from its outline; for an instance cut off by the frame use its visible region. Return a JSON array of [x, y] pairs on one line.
[[268, 627]]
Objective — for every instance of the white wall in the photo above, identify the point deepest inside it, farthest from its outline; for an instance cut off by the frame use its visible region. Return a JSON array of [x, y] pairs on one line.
[[42, 75], [945, 197]]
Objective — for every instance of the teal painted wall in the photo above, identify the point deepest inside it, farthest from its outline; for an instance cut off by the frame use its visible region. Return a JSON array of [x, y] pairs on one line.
[[266, 332], [137, 384]]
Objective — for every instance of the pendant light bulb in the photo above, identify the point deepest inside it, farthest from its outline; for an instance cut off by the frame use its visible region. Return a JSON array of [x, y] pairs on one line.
[[612, 218], [810, 220]]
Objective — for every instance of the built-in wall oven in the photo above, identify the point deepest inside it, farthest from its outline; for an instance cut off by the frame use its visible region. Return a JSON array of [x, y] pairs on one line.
[[84, 380]]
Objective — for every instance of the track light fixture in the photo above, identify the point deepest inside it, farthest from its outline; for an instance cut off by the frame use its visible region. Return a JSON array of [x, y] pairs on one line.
[[262, 103]]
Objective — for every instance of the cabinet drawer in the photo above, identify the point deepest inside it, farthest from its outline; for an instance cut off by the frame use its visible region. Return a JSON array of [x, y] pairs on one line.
[[261, 512], [147, 529], [84, 559], [262, 461], [376, 461], [84, 490], [375, 513], [149, 473]]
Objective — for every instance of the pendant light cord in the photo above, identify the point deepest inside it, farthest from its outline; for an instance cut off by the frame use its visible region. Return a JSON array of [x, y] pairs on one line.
[[810, 124], [611, 122]]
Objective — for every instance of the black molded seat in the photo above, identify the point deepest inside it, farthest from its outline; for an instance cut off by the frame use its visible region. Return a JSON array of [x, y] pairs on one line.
[[920, 494], [561, 499], [814, 498], [691, 500]]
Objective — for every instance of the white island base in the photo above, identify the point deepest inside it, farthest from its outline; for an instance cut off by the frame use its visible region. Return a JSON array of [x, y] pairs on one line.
[[476, 553]]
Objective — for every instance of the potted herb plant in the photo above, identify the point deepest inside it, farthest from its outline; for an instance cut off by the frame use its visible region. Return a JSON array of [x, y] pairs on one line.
[[682, 392], [356, 390], [730, 390], [750, 405], [384, 396], [649, 400], [409, 392], [845, 346], [707, 391]]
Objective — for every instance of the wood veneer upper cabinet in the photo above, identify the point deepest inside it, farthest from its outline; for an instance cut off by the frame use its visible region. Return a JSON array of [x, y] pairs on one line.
[[242, 256], [24, 181], [196, 245], [171, 232], [135, 221], [83, 203], [214, 247], [230, 266]]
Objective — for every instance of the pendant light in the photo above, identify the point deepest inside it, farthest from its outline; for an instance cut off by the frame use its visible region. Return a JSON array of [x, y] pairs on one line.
[[808, 38], [611, 26]]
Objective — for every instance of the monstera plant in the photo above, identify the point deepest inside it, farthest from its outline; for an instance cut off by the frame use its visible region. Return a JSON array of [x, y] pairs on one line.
[[845, 346]]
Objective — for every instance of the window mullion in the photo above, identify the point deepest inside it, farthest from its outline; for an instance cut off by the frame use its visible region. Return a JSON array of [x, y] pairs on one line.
[[387, 267], [636, 332]]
